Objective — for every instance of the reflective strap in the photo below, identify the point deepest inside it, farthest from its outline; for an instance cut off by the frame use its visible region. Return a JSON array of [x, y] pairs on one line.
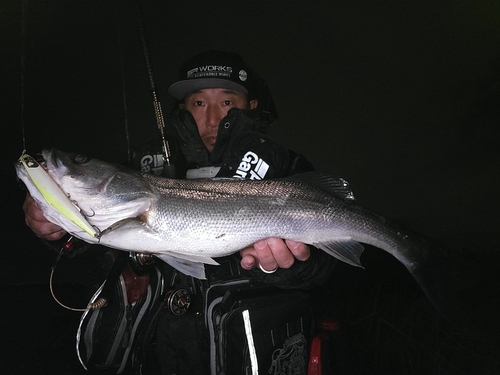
[[251, 346], [212, 329]]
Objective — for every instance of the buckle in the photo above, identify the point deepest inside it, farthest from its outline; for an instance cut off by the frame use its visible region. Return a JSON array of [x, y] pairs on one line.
[[177, 301]]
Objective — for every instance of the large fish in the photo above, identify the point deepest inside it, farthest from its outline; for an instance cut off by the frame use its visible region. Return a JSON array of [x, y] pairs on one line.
[[189, 222]]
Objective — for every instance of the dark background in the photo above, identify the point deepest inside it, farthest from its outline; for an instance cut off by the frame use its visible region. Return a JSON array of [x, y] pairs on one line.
[[402, 98]]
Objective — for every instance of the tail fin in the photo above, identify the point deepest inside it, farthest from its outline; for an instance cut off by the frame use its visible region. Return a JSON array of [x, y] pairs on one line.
[[464, 285]]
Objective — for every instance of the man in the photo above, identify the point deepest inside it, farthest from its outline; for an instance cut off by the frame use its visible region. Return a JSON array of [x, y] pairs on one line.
[[223, 112]]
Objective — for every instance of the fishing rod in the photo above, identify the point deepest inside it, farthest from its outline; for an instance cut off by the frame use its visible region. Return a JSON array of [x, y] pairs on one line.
[[168, 167]]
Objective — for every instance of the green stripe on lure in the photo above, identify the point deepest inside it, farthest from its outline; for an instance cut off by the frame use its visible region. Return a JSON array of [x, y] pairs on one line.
[[52, 193]]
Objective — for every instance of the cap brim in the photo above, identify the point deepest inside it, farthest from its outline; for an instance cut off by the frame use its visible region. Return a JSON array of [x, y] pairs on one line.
[[180, 89]]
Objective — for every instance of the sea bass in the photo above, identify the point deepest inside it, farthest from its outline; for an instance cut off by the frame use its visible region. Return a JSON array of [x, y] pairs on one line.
[[187, 223]]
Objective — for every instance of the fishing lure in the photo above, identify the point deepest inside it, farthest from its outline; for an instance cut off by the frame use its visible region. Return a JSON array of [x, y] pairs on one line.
[[53, 194]]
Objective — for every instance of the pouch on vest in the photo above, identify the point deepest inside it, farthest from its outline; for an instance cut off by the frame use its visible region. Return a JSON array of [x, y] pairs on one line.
[[259, 329]]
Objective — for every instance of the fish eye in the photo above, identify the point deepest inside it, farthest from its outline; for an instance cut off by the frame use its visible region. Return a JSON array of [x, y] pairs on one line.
[[81, 159]]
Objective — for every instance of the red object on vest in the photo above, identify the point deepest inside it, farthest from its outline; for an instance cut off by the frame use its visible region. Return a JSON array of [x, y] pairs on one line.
[[314, 367]]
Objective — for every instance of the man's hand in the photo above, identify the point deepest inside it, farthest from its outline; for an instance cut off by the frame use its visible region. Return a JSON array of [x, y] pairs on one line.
[[272, 253], [38, 223]]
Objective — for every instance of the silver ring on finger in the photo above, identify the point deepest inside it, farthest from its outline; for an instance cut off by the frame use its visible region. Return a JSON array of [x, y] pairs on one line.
[[266, 271]]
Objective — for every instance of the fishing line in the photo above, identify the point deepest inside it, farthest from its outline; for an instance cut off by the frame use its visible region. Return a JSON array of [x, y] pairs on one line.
[[124, 93], [24, 7]]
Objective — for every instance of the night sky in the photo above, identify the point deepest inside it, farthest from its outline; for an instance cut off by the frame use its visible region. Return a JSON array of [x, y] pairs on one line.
[[402, 98]]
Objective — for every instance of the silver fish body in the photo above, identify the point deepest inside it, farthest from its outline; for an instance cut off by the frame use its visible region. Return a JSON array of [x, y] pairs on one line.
[[218, 217], [189, 222]]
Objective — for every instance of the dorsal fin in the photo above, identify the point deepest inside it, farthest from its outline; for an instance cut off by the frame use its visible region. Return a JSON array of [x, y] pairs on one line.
[[327, 182]]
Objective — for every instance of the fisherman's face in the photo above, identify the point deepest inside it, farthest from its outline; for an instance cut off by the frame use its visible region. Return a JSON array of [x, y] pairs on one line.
[[210, 106]]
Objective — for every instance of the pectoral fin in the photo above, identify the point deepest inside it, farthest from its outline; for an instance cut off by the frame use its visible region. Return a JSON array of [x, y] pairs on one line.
[[188, 265]]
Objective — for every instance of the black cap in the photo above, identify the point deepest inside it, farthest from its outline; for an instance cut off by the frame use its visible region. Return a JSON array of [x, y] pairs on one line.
[[212, 69]]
